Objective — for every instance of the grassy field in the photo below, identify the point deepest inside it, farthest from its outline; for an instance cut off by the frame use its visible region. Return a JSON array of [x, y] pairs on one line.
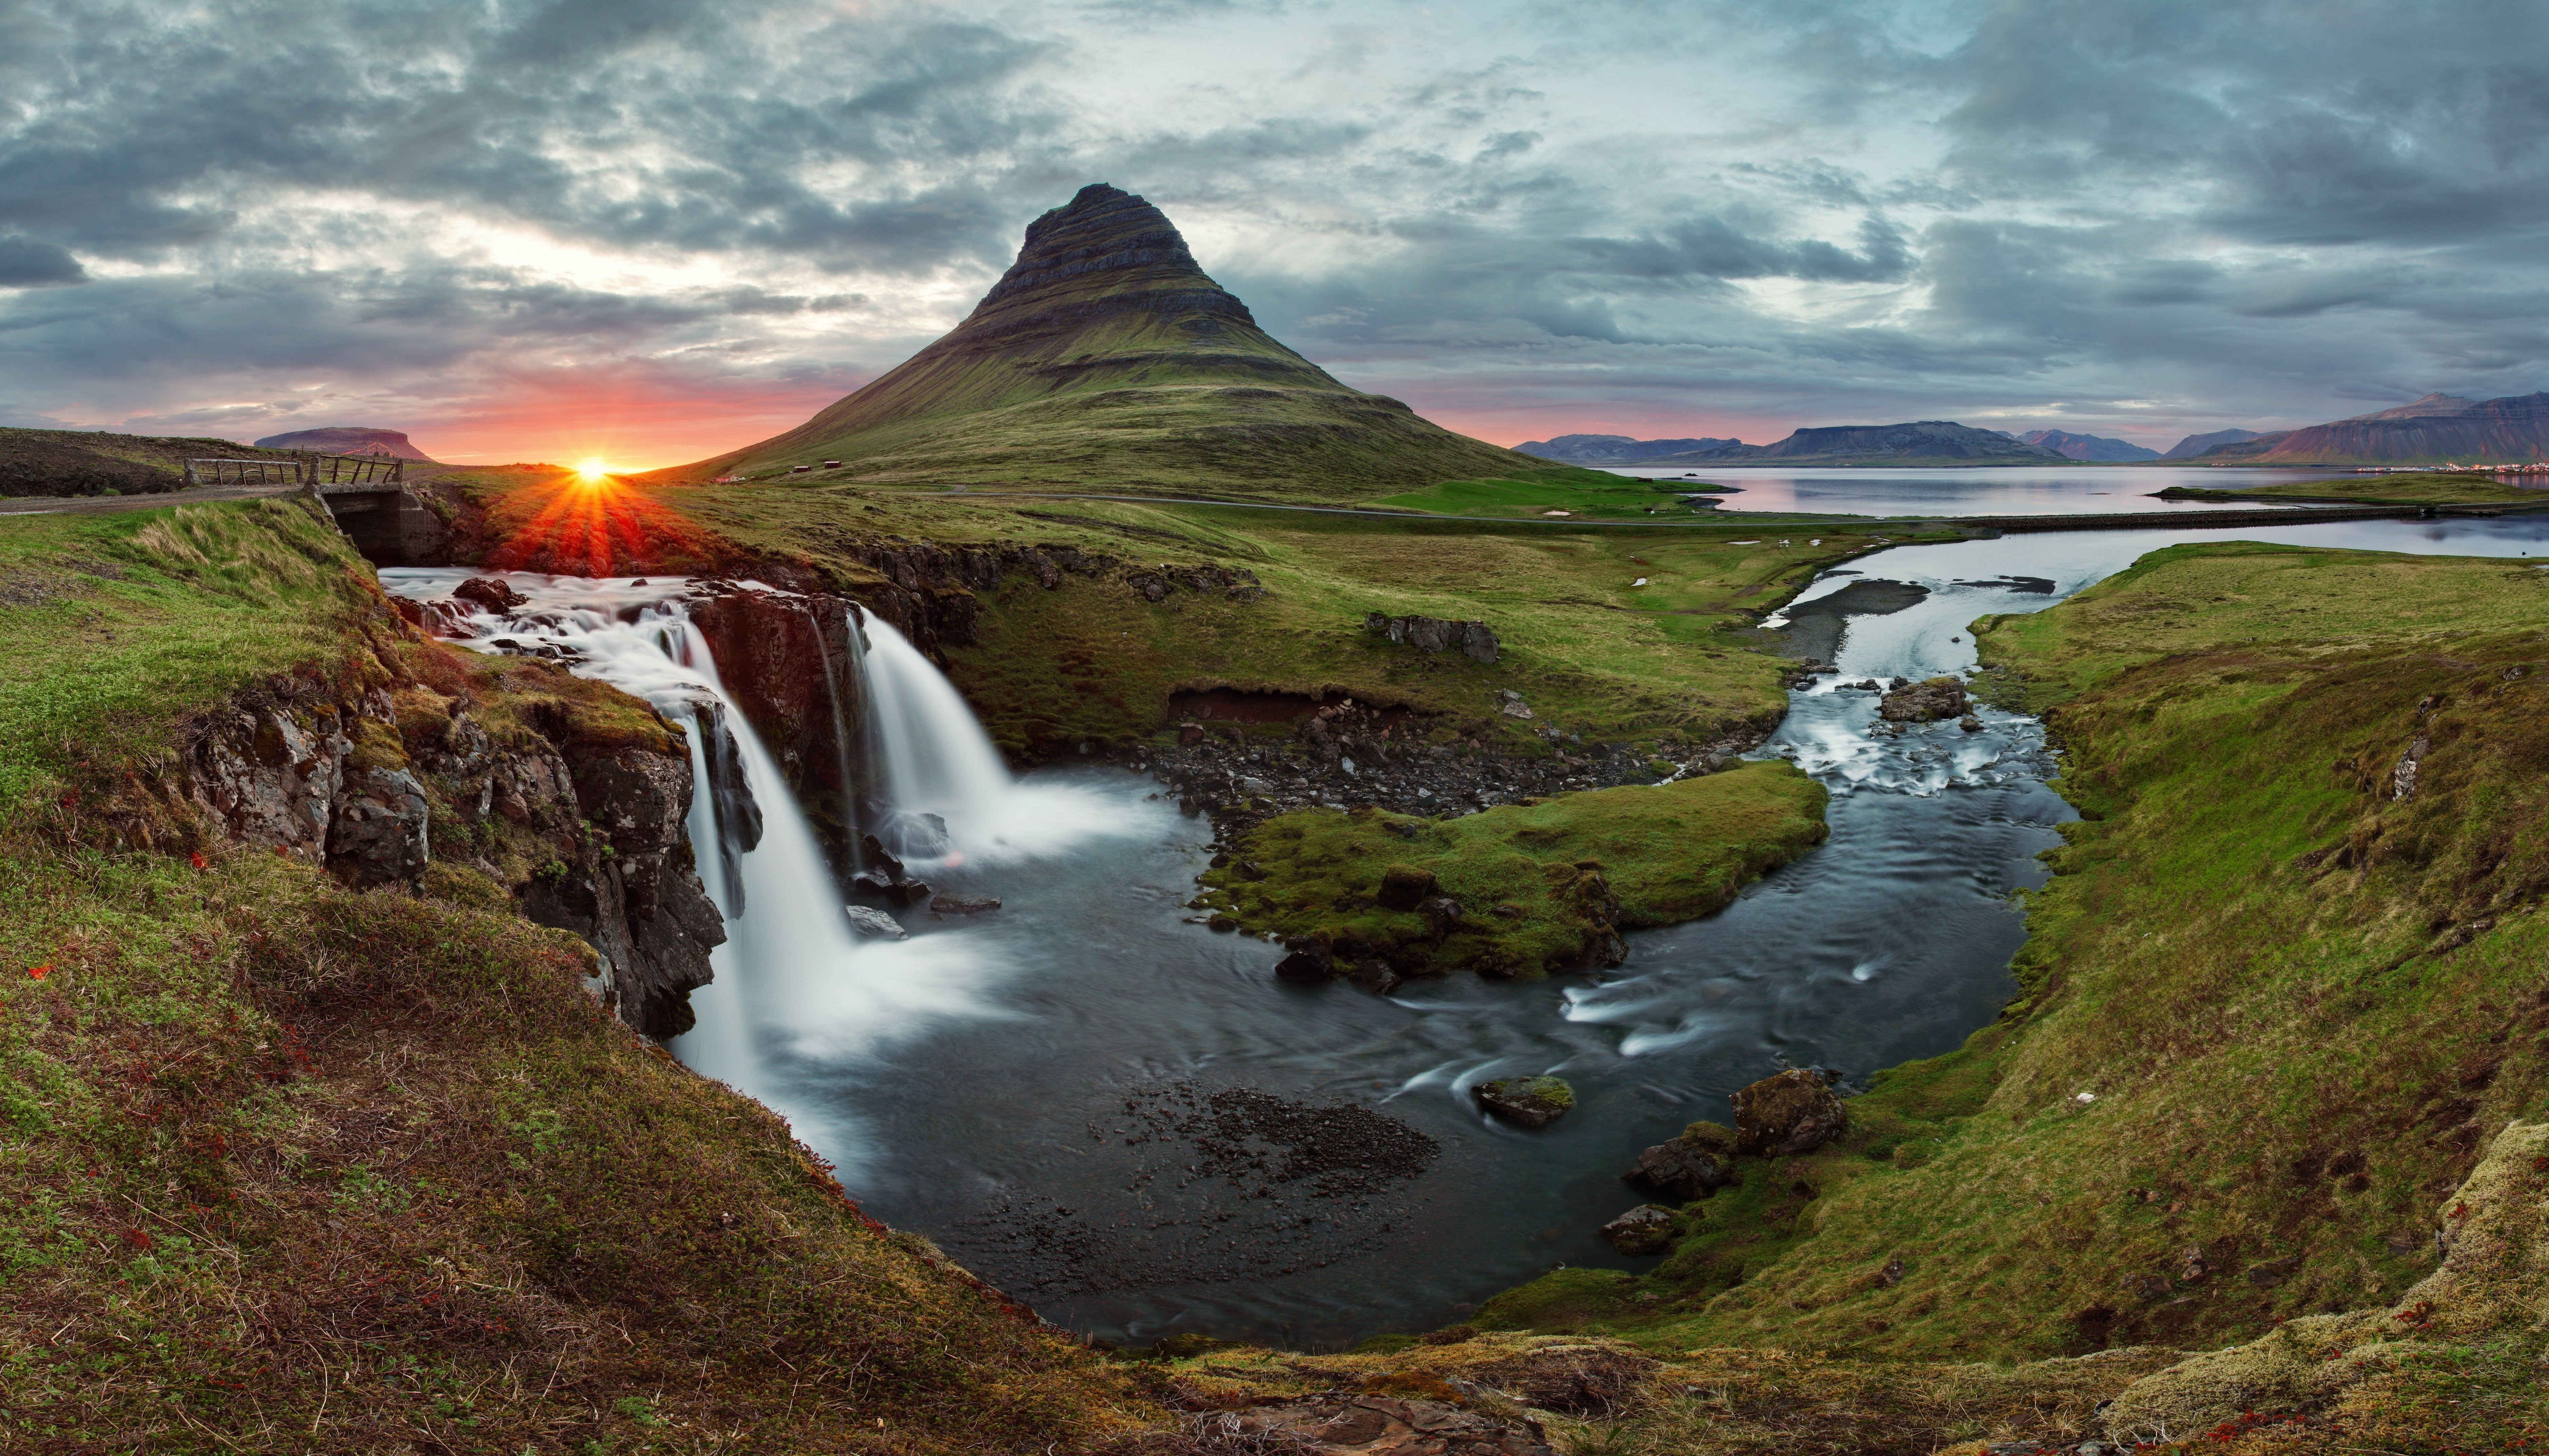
[[2271, 1012], [2435, 488], [113, 627], [1596, 494], [1537, 881]]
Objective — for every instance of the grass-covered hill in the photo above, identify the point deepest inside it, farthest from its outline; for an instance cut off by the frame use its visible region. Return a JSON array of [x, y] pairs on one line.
[[87, 462], [1107, 359], [2280, 998]]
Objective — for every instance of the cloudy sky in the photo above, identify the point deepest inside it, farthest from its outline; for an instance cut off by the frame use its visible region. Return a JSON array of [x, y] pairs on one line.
[[652, 230]]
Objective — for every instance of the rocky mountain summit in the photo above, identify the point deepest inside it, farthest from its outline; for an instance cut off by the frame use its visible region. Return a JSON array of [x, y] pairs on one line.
[[1106, 354]]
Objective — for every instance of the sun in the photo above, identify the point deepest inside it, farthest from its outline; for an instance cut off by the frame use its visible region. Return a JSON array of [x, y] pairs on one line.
[[593, 470]]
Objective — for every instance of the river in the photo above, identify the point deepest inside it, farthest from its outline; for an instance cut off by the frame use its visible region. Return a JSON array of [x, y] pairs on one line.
[[1124, 1119]]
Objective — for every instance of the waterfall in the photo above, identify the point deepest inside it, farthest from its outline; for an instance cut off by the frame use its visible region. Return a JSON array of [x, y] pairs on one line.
[[942, 781], [795, 988]]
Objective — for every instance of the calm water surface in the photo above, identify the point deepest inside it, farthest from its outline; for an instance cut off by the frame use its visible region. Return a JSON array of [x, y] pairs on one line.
[[2052, 490]]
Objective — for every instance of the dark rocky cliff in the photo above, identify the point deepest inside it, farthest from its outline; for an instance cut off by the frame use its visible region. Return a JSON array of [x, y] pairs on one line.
[[388, 782]]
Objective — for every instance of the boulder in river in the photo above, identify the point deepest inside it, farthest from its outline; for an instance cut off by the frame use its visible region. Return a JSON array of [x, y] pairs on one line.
[[1528, 1102], [869, 920], [893, 888], [1311, 962], [1794, 1111], [963, 904], [1925, 701], [1643, 1230], [1682, 1170], [491, 592]]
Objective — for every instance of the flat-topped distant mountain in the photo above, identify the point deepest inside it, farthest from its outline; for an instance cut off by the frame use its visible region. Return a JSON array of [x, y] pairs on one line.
[[1107, 359], [2196, 444], [2440, 429], [1615, 449], [1919, 443], [346, 440], [2088, 446]]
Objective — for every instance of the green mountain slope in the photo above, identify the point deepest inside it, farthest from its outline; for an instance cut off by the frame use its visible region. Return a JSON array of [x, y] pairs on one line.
[[1107, 359]]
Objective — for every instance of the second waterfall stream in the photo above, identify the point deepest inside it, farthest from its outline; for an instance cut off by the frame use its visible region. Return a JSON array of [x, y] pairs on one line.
[[795, 988]]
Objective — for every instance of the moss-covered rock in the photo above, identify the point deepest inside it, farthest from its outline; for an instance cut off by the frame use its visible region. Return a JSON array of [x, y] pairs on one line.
[[1792, 1112], [1532, 1101]]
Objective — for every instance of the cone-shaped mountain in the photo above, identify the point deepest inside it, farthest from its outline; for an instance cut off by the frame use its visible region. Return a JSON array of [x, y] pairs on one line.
[[1105, 359]]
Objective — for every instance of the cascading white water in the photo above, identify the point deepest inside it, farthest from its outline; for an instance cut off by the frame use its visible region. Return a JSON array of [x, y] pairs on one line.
[[933, 758], [792, 983]]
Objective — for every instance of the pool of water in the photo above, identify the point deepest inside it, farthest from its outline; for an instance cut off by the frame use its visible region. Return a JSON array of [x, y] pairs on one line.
[[2023, 490]]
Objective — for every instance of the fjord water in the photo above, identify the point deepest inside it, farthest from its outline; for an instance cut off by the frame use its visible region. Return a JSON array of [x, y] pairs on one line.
[[993, 1082], [2004, 490]]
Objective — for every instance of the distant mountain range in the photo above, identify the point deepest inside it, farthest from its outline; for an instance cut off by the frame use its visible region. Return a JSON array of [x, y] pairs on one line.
[[2088, 446], [2196, 444], [1107, 357], [2441, 429], [1615, 449], [1919, 443], [346, 440]]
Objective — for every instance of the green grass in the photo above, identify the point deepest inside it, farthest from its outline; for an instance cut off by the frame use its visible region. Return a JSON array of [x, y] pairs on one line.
[[2423, 488], [1094, 662], [1596, 494], [2301, 1007], [1536, 882], [2196, 597], [289, 1168], [113, 627]]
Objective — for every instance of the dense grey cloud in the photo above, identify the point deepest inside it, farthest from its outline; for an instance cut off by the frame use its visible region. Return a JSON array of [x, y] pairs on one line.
[[678, 224]]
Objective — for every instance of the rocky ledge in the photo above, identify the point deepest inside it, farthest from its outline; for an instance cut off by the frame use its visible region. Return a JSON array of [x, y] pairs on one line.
[[1353, 755]]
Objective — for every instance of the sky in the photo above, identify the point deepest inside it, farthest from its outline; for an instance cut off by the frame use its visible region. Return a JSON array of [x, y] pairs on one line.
[[650, 231]]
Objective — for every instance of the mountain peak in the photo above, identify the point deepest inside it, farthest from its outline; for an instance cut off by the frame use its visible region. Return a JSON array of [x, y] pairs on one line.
[[1106, 355], [1104, 229]]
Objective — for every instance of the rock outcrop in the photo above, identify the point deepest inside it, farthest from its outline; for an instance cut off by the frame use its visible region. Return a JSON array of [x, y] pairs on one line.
[[1643, 1230], [1792, 1112], [1472, 640], [364, 785], [1690, 1167]]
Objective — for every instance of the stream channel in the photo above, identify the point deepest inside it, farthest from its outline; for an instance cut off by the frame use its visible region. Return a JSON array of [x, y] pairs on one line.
[[1125, 1120]]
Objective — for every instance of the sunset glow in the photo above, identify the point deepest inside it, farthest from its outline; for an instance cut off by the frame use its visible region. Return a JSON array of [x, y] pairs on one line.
[[592, 470]]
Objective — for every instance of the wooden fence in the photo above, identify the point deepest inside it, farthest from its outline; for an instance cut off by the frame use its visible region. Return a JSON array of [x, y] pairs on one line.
[[299, 471]]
